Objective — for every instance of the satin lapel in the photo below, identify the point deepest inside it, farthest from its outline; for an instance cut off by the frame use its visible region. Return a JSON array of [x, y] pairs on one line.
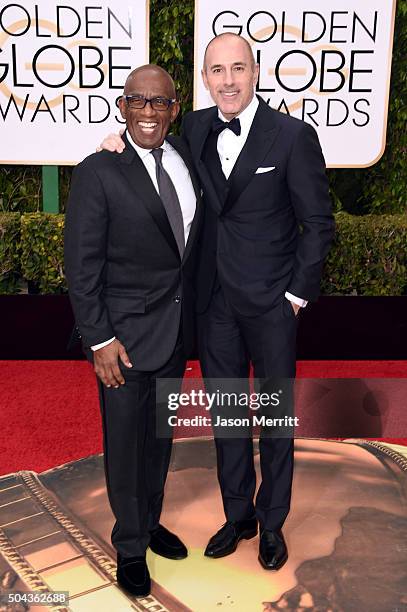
[[137, 176], [202, 128], [181, 147], [261, 138]]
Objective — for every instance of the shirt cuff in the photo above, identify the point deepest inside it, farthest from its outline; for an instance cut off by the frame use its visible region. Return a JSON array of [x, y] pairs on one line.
[[293, 298], [96, 347]]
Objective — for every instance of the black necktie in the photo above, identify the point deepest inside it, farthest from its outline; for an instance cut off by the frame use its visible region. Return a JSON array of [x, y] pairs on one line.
[[218, 125], [170, 200]]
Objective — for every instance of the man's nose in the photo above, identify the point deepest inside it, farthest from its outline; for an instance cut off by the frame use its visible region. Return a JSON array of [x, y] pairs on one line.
[[148, 109], [228, 77]]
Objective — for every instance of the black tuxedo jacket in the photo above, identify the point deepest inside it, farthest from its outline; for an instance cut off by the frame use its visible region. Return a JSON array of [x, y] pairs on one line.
[[124, 272], [263, 233]]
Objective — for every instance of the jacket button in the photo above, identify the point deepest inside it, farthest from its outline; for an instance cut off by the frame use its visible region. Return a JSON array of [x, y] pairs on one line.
[[177, 299]]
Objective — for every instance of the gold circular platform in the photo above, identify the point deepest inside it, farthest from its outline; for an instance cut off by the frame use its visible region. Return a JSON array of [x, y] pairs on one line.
[[346, 534]]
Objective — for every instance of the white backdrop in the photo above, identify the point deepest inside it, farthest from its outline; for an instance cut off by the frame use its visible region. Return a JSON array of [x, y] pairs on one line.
[[62, 69], [325, 62]]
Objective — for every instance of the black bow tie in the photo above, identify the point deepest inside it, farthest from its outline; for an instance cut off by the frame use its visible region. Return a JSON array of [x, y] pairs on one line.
[[218, 125]]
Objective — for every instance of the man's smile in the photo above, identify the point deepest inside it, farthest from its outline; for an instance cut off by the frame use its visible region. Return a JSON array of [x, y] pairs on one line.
[[147, 126]]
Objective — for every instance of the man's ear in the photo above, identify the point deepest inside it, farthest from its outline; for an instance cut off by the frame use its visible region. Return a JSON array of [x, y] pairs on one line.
[[256, 74], [123, 107], [175, 108], [204, 79]]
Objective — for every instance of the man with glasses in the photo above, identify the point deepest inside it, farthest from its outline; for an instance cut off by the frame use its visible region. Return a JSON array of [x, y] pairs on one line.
[[131, 225]]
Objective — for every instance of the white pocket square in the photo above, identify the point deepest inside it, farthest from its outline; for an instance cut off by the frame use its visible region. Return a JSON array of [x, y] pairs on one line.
[[261, 170]]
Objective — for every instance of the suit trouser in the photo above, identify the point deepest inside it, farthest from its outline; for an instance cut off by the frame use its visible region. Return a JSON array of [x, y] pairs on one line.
[[136, 460], [228, 342]]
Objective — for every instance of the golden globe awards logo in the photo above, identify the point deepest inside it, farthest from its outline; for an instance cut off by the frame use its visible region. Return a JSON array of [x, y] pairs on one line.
[[62, 68], [328, 65]]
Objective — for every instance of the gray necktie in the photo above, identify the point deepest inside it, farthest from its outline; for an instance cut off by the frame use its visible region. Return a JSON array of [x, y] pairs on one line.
[[170, 200]]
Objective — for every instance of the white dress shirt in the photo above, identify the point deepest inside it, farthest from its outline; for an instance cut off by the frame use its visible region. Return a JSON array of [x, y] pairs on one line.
[[230, 146], [179, 174]]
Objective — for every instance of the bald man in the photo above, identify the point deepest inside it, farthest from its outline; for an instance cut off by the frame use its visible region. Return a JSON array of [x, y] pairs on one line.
[[131, 225], [268, 213]]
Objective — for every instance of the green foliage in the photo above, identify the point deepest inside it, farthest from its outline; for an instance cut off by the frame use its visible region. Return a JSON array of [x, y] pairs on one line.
[[42, 251], [172, 46], [65, 173], [9, 252], [384, 187], [369, 256], [381, 188], [20, 188]]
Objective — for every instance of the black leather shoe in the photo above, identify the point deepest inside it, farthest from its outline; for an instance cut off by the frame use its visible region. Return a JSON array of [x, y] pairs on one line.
[[225, 541], [273, 550], [167, 544], [133, 575]]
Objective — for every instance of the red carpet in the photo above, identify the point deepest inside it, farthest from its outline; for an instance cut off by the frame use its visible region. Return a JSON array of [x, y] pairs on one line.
[[49, 411]]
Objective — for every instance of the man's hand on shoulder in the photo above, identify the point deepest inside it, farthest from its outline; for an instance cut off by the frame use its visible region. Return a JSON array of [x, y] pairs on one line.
[[106, 363], [113, 143]]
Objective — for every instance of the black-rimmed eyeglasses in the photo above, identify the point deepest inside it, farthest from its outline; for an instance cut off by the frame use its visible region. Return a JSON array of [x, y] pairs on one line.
[[158, 103]]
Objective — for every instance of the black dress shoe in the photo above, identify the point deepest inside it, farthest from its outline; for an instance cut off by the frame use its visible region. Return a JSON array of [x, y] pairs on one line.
[[133, 575], [167, 544], [273, 550], [225, 541]]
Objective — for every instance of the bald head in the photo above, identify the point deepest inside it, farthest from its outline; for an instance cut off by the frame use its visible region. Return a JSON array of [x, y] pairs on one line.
[[230, 73], [149, 105], [150, 72], [228, 38]]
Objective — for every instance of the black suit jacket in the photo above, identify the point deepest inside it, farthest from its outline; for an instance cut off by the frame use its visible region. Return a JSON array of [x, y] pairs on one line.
[[266, 233], [124, 273]]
